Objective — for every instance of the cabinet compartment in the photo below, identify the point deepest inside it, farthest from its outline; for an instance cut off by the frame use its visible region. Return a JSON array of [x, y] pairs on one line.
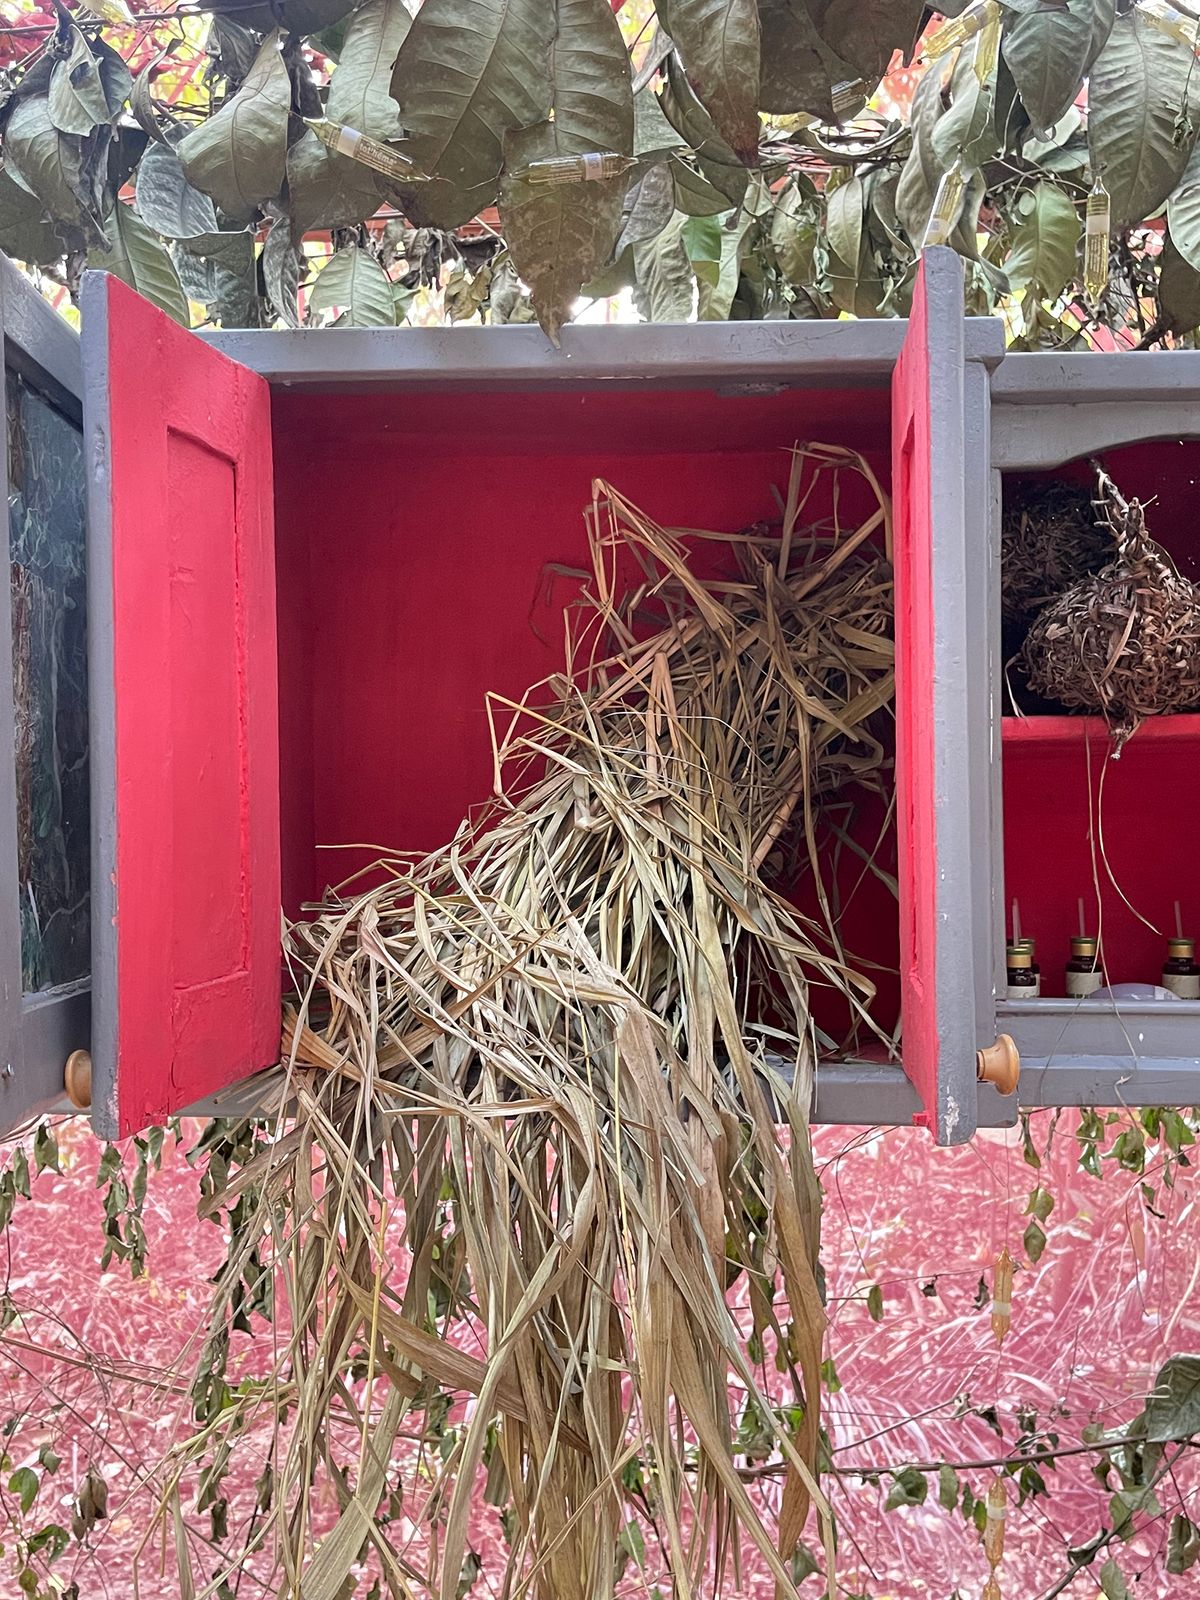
[[1077, 823], [426, 551]]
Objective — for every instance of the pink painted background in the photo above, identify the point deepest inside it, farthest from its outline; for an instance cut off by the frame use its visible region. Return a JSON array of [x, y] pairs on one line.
[[1115, 1292]]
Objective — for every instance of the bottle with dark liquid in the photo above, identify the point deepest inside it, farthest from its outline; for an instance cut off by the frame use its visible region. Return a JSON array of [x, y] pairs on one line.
[[1022, 985], [1031, 946], [1083, 969], [1180, 973]]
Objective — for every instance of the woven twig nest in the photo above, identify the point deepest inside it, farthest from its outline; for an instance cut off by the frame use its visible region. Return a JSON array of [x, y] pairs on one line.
[[1050, 539], [1126, 640]]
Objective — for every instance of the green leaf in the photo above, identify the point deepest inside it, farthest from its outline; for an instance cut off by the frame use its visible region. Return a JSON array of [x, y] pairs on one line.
[[296, 16], [24, 1484], [1141, 108], [77, 100], [804, 1564], [1034, 1241], [909, 1488], [715, 158], [947, 1487], [1049, 51], [653, 136], [360, 86], [875, 1303], [1183, 213], [218, 270], [238, 156], [648, 206], [1173, 1405], [354, 282], [693, 192], [1112, 1584], [48, 1459], [139, 258], [666, 285], [1041, 1201], [115, 77], [470, 72], [167, 202], [45, 1149], [968, 128], [282, 262], [867, 33], [49, 162], [921, 171], [844, 222], [327, 190], [26, 232], [718, 286], [1183, 1545], [718, 41], [560, 235]]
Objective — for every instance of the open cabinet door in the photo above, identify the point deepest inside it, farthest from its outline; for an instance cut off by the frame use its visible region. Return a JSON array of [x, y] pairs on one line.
[[183, 697], [939, 928]]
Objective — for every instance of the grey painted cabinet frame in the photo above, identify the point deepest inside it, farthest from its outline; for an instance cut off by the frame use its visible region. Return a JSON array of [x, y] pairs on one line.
[[37, 1031]]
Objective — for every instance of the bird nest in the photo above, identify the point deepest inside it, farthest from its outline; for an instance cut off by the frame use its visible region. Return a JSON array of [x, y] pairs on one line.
[[1124, 641], [1050, 539]]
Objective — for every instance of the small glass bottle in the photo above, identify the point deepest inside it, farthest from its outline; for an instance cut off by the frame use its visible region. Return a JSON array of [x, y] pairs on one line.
[[1083, 969], [1031, 946], [1022, 985], [1180, 974]]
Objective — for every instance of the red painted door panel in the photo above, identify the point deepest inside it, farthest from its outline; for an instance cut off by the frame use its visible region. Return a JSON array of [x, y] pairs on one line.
[[184, 725], [934, 744]]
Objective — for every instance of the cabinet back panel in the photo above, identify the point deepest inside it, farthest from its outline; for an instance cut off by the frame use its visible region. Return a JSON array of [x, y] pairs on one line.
[[427, 546]]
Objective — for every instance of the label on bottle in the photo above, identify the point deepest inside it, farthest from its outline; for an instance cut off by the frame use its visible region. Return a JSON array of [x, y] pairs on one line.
[[1081, 984], [1025, 991], [1184, 984]]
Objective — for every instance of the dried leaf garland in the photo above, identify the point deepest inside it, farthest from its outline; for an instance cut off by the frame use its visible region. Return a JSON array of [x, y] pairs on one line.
[[537, 1048]]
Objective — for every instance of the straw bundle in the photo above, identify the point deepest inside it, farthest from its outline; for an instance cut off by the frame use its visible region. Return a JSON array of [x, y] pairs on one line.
[[1125, 642], [535, 1099], [1050, 539]]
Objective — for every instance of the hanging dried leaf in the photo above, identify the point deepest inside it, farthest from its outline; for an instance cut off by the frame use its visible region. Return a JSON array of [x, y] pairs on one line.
[[77, 101], [353, 283], [139, 258], [238, 155], [561, 234], [718, 41], [360, 86], [1049, 51], [1143, 102], [469, 72]]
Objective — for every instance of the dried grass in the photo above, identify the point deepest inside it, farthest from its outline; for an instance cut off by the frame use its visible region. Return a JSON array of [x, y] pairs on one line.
[[551, 1033], [1125, 642], [1050, 539]]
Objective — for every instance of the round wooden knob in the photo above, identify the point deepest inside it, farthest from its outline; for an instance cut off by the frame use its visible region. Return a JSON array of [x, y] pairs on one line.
[[77, 1078], [1000, 1064]]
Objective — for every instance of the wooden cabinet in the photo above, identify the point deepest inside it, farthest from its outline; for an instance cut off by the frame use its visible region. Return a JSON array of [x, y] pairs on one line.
[[311, 554]]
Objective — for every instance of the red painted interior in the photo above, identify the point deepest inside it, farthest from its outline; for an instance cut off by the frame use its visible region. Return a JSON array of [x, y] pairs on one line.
[[1051, 763], [414, 534], [916, 798], [196, 865]]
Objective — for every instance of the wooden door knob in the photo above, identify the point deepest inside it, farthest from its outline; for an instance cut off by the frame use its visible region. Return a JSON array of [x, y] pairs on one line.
[[1000, 1064], [77, 1079]]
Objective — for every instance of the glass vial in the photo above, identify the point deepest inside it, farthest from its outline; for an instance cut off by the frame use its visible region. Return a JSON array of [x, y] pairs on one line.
[[1180, 974], [362, 148], [1097, 228], [1083, 969], [1022, 985]]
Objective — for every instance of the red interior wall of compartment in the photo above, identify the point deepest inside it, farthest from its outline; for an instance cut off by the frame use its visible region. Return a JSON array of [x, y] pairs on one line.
[[414, 536], [1052, 852]]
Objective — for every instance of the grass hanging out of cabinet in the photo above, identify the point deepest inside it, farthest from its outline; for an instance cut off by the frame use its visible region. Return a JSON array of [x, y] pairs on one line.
[[554, 1080]]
